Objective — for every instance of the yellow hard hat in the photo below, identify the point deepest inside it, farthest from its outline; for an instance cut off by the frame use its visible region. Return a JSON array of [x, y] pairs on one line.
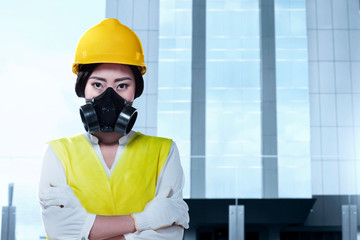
[[109, 42]]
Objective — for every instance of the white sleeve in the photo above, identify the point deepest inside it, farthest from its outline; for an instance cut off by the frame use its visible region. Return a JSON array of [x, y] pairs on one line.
[[171, 175], [61, 223]]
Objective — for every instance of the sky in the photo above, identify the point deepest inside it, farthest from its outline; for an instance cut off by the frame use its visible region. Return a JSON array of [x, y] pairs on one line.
[[38, 42]]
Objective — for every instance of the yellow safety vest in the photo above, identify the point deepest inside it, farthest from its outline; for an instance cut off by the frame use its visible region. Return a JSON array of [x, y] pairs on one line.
[[130, 186]]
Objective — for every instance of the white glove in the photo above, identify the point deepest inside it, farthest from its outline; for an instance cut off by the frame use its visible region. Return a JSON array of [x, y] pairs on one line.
[[162, 212], [59, 196]]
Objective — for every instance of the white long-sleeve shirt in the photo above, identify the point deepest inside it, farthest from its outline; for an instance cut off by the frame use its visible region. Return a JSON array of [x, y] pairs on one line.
[[78, 222]]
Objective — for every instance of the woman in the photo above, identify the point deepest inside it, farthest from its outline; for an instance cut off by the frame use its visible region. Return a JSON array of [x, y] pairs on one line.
[[111, 182]]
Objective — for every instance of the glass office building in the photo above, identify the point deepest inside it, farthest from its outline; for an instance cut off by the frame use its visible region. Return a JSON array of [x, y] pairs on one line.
[[233, 94]]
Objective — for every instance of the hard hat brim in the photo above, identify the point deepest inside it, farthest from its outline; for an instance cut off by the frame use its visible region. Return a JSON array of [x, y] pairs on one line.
[[75, 67]]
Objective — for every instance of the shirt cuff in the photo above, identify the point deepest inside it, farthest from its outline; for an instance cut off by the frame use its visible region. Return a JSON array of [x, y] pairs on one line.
[[129, 236], [84, 235], [142, 221]]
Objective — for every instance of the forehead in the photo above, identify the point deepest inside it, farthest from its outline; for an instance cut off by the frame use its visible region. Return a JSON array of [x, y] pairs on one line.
[[112, 70]]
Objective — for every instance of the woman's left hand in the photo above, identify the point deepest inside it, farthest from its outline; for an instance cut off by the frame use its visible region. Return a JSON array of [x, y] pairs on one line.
[[162, 212]]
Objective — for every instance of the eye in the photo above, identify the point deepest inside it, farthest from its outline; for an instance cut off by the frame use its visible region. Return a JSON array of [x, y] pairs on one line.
[[122, 86], [97, 85]]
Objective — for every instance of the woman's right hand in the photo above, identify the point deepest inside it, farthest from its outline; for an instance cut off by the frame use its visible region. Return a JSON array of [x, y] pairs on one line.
[[61, 196]]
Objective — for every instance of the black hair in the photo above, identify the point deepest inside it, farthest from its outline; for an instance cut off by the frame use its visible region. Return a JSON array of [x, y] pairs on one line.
[[85, 70]]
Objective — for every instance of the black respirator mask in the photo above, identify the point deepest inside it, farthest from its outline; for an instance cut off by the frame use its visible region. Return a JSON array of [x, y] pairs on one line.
[[108, 112]]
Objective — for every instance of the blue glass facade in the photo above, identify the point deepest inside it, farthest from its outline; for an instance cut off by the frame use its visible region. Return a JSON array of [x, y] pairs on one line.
[[293, 116], [233, 163], [174, 92], [233, 134]]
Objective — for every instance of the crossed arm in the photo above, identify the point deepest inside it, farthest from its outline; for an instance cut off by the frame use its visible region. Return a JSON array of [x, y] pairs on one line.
[[112, 227], [73, 222]]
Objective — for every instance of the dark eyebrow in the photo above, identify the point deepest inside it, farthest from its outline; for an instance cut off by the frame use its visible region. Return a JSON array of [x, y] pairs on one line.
[[116, 80], [122, 79], [98, 78]]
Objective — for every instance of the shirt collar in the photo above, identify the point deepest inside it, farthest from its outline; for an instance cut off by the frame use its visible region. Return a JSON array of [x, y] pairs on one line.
[[122, 141]]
